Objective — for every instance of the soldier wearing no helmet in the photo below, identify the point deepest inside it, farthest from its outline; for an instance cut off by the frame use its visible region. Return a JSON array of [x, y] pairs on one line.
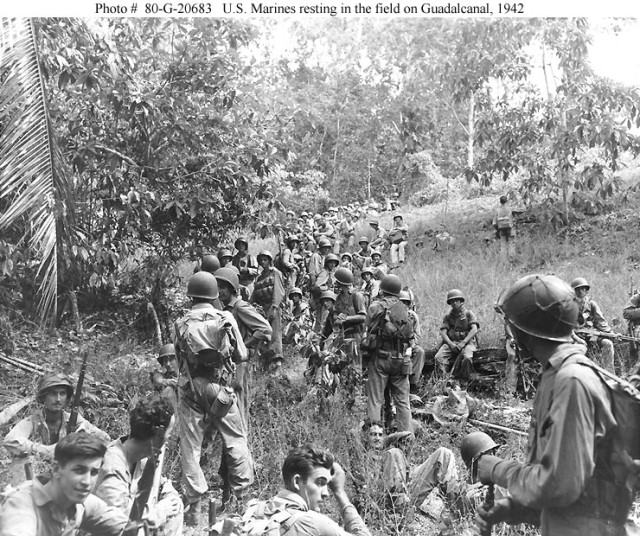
[[379, 235], [398, 236], [458, 333]]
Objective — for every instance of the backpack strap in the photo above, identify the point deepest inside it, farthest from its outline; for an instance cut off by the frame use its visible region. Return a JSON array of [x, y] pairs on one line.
[[285, 526]]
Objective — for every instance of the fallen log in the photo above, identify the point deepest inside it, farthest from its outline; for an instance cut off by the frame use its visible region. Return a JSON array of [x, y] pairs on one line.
[[497, 427], [25, 362], [27, 368], [9, 412]]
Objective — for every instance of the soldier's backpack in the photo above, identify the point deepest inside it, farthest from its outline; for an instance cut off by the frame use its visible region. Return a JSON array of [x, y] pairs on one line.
[[278, 263], [396, 323], [204, 338], [260, 519], [625, 406]]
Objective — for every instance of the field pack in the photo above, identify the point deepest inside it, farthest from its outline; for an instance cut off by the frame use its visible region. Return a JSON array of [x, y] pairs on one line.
[[625, 406], [396, 323], [260, 519], [202, 337]]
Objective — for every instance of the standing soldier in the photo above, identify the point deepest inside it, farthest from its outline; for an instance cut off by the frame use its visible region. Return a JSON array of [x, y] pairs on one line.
[[290, 270], [326, 278], [268, 293], [417, 351], [370, 286], [348, 316], [255, 331], [572, 482], [591, 317], [458, 331], [246, 264], [208, 345], [166, 381], [503, 223], [39, 433], [387, 323], [631, 314], [398, 236]]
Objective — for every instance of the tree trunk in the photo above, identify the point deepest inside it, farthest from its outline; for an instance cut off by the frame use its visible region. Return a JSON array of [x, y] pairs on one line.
[[472, 105], [335, 155]]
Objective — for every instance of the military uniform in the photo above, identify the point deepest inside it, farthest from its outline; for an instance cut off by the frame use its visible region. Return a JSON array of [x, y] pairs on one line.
[[458, 325], [268, 293], [592, 317]]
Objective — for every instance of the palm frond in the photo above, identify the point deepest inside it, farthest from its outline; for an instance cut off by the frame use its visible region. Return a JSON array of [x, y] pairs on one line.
[[29, 158]]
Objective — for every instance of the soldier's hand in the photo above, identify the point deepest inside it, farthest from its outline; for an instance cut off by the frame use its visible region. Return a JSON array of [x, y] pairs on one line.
[[498, 513], [338, 478]]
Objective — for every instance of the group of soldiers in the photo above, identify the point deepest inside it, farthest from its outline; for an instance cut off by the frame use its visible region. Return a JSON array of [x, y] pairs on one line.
[[571, 482]]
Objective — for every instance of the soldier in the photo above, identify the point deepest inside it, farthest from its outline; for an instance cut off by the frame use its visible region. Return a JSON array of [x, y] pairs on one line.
[[398, 236], [458, 332], [348, 316], [166, 381], [208, 345], [268, 293], [290, 270], [362, 257], [380, 269], [208, 263], [299, 317], [345, 261], [379, 236], [309, 473], [246, 264], [370, 286], [39, 433], [631, 314], [326, 278], [256, 332], [388, 362], [225, 257], [119, 479], [591, 317], [325, 229], [417, 351], [503, 223], [63, 505], [569, 483]]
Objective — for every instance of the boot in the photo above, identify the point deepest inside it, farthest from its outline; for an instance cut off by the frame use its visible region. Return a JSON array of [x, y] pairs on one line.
[[192, 515]]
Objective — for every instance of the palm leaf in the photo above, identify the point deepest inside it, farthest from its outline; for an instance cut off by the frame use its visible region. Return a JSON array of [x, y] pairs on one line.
[[30, 162]]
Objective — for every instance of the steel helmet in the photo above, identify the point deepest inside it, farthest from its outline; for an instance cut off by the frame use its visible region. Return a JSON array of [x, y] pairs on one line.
[[166, 351], [316, 217], [475, 445], [455, 294], [295, 290], [224, 253], [328, 295], [391, 284], [405, 296], [293, 238], [580, 282], [209, 263], [53, 380], [265, 253], [363, 239], [228, 275], [541, 305], [324, 242], [376, 252], [366, 270], [374, 222], [344, 276], [240, 240], [202, 285], [333, 209], [397, 216], [290, 213], [346, 254], [331, 257], [304, 214]]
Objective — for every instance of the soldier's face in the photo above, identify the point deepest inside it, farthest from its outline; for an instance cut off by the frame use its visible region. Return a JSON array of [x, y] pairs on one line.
[[225, 292], [55, 399], [375, 437], [456, 304], [75, 479], [315, 489], [581, 292]]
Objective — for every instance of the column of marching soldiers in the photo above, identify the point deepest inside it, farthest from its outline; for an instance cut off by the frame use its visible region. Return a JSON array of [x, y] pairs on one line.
[[328, 297]]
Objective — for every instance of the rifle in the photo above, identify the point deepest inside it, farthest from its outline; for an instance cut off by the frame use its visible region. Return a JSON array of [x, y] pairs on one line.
[[489, 500], [73, 418], [149, 484], [592, 332]]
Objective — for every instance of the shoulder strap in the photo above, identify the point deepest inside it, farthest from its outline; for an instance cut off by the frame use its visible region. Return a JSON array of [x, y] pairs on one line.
[[286, 525]]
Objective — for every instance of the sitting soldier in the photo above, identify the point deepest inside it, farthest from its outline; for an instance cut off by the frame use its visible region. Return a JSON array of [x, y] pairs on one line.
[[592, 321], [458, 333]]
